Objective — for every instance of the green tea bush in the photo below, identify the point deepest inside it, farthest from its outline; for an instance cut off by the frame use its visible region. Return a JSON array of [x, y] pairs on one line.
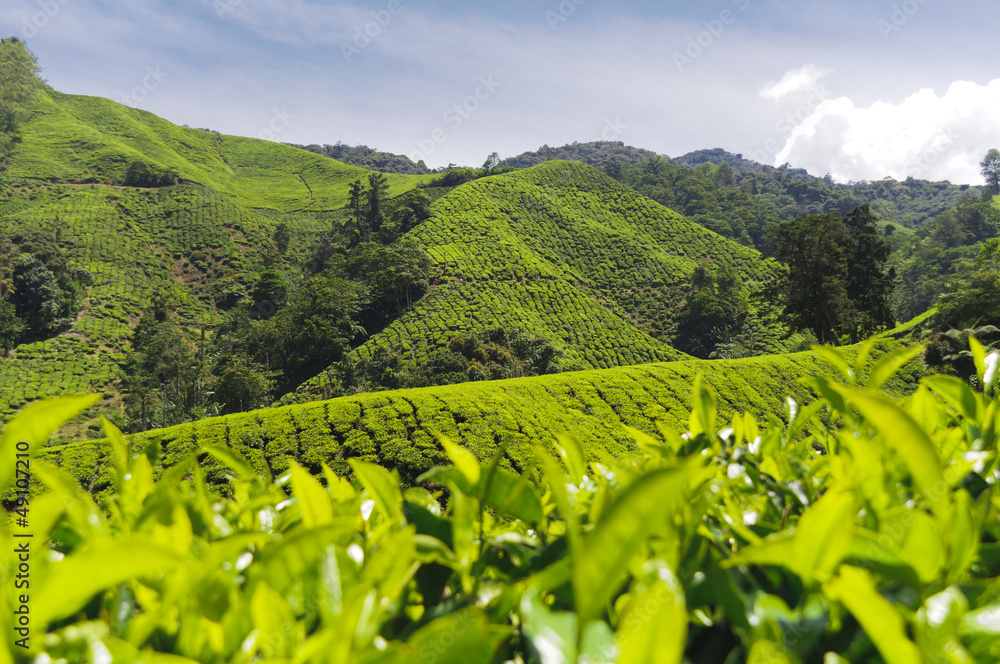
[[856, 528], [589, 405]]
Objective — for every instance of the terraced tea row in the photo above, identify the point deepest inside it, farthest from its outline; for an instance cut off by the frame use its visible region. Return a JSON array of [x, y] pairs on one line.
[[399, 429], [570, 255]]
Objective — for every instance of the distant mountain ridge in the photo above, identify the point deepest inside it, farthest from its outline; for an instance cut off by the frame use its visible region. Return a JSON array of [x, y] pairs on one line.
[[598, 154]]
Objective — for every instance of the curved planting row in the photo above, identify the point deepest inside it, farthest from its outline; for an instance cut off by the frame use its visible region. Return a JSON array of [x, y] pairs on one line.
[[399, 429]]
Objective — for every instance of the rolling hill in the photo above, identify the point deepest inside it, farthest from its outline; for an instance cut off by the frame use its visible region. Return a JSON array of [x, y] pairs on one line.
[[559, 249], [66, 178], [567, 253]]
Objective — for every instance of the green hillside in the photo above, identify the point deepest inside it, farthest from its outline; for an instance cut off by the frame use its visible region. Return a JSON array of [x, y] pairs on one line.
[[64, 180], [399, 429], [567, 253], [78, 139], [559, 250]]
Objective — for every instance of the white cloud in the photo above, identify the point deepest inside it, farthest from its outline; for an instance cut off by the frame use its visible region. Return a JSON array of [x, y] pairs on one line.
[[803, 79], [925, 136]]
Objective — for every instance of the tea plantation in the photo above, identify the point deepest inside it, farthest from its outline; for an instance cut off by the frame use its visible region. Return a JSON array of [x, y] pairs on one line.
[[65, 179], [856, 528], [569, 254], [400, 429], [560, 250]]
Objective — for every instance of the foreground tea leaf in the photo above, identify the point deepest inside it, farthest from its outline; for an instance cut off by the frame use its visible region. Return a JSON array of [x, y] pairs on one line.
[[382, 488], [235, 462], [938, 621], [314, 501], [909, 441], [514, 496], [34, 425], [463, 459], [765, 651], [653, 628], [623, 529], [552, 634], [273, 621], [889, 364], [71, 582], [463, 637], [823, 535], [956, 394], [855, 589], [572, 455]]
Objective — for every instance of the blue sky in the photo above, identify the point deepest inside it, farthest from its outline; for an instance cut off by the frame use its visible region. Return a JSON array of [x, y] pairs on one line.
[[860, 90]]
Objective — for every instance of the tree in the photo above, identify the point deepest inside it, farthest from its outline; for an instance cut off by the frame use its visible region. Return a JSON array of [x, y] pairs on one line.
[[815, 290], [8, 261], [282, 237], [869, 285], [356, 204], [377, 195], [411, 209], [38, 299], [162, 371], [836, 283], [11, 327], [492, 162], [990, 166], [976, 300], [242, 385], [18, 83], [725, 176], [393, 277], [312, 331], [715, 304], [269, 293]]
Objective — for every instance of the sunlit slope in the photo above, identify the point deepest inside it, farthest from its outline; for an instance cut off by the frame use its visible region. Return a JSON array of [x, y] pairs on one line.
[[188, 240], [569, 254], [399, 429], [78, 139], [183, 240]]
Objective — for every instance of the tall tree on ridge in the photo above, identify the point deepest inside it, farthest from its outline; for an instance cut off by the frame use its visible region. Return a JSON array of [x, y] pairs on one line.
[[836, 283], [18, 83], [868, 284], [377, 195], [815, 291], [990, 168]]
